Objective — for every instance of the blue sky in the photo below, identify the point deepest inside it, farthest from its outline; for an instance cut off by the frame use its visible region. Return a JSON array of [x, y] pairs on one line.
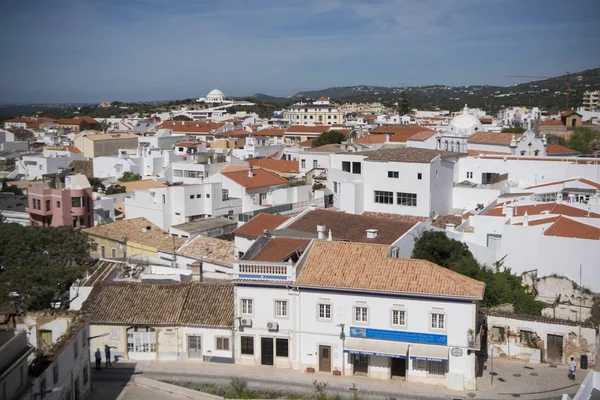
[[95, 50]]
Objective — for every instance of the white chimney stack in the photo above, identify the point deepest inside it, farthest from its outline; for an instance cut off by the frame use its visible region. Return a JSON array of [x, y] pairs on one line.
[[526, 219], [330, 237], [371, 233], [250, 172], [450, 227], [387, 137], [321, 232], [509, 211]]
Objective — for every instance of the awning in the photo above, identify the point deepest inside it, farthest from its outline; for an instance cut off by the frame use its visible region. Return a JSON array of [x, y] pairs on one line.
[[384, 348], [429, 353]]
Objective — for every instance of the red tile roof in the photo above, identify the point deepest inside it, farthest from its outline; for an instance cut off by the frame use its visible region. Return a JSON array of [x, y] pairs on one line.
[[285, 166], [307, 143], [271, 132], [191, 126], [547, 208], [87, 119], [568, 228], [501, 138], [423, 135], [234, 133], [260, 178], [279, 249], [551, 122], [541, 221], [257, 225], [583, 180], [558, 149], [372, 139], [307, 129]]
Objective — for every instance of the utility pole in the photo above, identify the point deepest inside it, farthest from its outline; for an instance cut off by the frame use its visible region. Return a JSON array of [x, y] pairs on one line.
[[580, 301]]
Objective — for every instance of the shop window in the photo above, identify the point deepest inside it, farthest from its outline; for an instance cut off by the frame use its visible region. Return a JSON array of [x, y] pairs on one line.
[[281, 348], [247, 345]]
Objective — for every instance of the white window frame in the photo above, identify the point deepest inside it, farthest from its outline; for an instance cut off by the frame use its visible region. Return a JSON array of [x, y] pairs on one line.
[[281, 305], [247, 306], [400, 310], [327, 309], [436, 326], [364, 314]]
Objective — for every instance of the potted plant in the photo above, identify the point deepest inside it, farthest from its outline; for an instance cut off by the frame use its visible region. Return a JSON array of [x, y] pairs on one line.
[[337, 372], [310, 370]]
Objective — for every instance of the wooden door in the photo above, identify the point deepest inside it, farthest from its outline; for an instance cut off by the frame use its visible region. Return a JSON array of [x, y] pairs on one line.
[[325, 358], [194, 347], [554, 349], [266, 351]]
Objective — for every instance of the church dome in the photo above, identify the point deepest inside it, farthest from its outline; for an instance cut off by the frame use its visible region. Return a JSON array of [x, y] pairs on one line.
[[215, 93], [465, 122]]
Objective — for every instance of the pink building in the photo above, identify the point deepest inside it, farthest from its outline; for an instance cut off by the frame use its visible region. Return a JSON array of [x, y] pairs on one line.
[[69, 203]]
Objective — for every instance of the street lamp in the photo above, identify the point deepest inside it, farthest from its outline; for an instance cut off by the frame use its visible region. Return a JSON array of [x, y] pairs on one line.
[[343, 338]]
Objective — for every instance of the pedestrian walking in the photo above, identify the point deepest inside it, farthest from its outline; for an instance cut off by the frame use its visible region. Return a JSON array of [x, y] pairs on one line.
[[98, 355], [572, 368], [107, 354]]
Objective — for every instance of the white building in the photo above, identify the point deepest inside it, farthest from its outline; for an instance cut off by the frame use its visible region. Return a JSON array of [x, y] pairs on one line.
[[143, 161], [14, 371], [162, 139], [322, 111], [174, 205], [32, 167], [590, 100], [214, 96], [328, 315], [104, 209], [8, 142], [393, 180]]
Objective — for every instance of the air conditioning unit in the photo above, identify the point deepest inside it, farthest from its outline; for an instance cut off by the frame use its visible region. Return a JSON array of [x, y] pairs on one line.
[[272, 325], [246, 322]]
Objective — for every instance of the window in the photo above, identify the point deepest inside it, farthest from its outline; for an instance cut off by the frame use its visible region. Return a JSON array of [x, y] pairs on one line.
[[438, 321], [247, 308], [164, 198], [191, 197], [281, 348], [431, 367], [114, 253], [315, 163], [336, 188], [469, 175], [356, 168], [75, 348], [198, 196], [85, 375], [361, 314], [247, 345], [191, 174], [102, 251], [207, 195], [384, 197], [406, 199], [76, 202], [58, 204], [324, 311], [526, 337], [222, 343], [398, 317], [393, 174], [47, 205], [224, 194], [178, 173], [114, 333], [281, 308], [419, 176], [346, 166], [55, 374], [303, 163]]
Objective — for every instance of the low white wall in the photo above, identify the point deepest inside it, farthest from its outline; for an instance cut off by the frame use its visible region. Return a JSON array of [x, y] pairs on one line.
[[468, 198]]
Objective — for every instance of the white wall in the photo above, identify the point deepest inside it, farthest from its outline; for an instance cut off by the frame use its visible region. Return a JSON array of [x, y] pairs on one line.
[[468, 198]]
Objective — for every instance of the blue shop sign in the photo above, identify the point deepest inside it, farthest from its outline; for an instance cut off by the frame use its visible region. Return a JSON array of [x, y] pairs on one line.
[[374, 353], [398, 336]]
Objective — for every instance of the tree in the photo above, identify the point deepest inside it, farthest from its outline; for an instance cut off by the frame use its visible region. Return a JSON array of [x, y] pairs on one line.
[[129, 177], [404, 104], [6, 188], [97, 184], [329, 137], [116, 189], [439, 249], [584, 140], [513, 130], [39, 264], [182, 118]]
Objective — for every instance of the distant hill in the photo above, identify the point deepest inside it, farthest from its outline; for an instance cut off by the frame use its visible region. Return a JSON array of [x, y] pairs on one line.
[[548, 94]]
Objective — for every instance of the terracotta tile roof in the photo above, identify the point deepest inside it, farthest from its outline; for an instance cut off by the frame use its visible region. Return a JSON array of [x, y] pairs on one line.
[[285, 166], [316, 129], [558, 149], [68, 121], [132, 186], [327, 148], [271, 132], [260, 179], [257, 225], [307, 143], [371, 139], [406, 154], [501, 138], [423, 135], [568, 228], [583, 180], [551, 122], [540, 221], [367, 267], [568, 113], [322, 99], [84, 167], [234, 133], [87, 119], [191, 126], [205, 304], [572, 160], [410, 219], [352, 227], [546, 208], [279, 249], [189, 143], [113, 136], [407, 130], [214, 250], [442, 220], [130, 230]]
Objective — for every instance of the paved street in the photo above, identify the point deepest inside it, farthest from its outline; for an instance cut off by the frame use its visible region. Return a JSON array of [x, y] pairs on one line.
[[510, 380]]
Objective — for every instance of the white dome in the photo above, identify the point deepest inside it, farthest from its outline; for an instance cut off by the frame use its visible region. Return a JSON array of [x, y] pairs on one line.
[[465, 121], [215, 93]]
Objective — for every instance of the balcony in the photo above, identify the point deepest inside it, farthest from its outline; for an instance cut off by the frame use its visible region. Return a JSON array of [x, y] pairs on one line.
[[256, 270]]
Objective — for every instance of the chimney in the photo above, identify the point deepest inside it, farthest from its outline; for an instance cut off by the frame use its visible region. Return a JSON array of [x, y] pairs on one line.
[[330, 237], [321, 232], [387, 137], [526, 219], [197, 270], [509, 211], [182, 123], [371, 233], [450, 227], [250, 172]]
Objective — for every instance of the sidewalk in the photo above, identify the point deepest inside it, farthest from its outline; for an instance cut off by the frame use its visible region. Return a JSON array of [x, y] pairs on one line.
[[510, 379]]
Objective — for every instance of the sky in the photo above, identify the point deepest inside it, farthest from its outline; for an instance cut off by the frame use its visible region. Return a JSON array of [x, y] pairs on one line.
[[133, 50]]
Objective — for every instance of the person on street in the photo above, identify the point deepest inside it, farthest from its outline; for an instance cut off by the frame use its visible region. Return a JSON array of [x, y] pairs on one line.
[[98, 355], [572, 367], [107, 354]]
